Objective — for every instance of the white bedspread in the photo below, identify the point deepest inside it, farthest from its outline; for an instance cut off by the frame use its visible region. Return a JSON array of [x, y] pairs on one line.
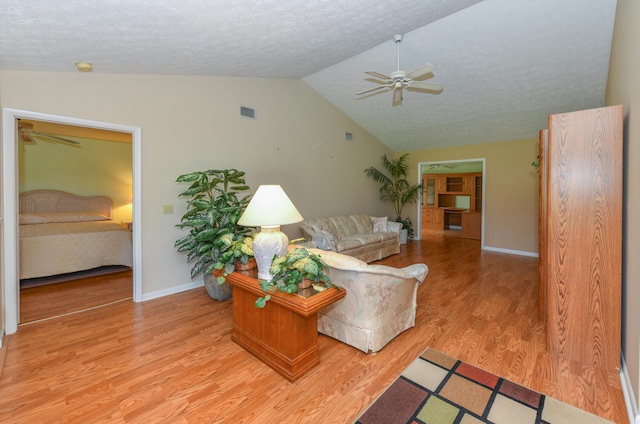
[[62, 247]]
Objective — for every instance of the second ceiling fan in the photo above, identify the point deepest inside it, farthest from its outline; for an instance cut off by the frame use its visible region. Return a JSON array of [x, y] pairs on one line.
[[29, 136], [399, 80]]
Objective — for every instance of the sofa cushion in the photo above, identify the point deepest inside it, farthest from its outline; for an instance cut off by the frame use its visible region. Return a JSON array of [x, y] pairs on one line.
[[358, 240], [363, 224], [323, 225], [344, 226]]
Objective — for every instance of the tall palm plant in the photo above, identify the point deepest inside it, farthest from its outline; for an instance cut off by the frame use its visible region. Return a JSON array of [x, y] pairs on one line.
[[394, 187]]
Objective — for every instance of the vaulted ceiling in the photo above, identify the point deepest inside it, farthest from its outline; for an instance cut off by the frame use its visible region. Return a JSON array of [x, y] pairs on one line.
[[505, 64]]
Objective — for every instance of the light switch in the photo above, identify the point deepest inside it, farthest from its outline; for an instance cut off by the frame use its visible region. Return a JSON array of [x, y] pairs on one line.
[[167, 209]]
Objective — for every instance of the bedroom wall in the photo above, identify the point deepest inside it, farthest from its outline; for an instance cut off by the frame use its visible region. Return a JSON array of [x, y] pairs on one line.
[[511, 189], [193, 123], [2, 301], [623, 87], [96, 168]]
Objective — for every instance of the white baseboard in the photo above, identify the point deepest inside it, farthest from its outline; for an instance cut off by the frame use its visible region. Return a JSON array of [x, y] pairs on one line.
[[629, 397], [510, 251], [172, 290], [1, 337]]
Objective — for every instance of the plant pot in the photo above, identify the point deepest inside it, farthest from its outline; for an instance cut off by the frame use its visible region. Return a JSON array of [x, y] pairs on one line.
[[251, 264], [305, 284], [403, 236], [217, 291]]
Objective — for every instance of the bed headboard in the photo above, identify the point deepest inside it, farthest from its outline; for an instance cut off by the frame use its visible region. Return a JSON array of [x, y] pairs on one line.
[[38, 201]]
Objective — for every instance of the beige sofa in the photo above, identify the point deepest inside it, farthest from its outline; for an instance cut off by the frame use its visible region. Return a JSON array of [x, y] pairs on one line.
[[361, 236], [380, 301]]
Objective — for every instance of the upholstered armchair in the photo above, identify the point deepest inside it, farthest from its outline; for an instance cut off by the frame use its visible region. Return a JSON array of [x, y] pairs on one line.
[[380, 301]]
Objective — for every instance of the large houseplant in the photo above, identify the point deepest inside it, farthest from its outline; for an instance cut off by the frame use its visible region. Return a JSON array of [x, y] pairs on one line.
[[289, 272], [215, 240], [395, 189]]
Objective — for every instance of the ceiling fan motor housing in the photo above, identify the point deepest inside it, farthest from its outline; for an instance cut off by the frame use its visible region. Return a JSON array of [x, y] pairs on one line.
[[398, 78]]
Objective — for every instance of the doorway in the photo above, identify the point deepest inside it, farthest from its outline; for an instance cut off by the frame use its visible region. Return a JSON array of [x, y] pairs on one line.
[[71, 270], [453, 198], [10, 190]]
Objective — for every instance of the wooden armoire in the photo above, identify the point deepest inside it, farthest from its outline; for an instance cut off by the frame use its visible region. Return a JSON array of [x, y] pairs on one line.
[[580, 262]]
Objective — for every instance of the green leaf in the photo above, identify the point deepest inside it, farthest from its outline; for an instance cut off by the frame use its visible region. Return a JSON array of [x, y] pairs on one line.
[[190, 177], [265, 285], [292, 288], [261, 302], [209, 269], [297, 254], [206, 234]]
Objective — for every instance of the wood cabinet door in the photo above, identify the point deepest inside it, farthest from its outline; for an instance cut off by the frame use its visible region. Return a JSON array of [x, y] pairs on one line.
[[438, 218], [584, 236], [469, 185], [429, 190]]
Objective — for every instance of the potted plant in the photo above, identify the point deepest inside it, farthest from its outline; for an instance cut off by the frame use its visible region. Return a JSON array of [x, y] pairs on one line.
[[395, 189], [215, 240], [297, 270]]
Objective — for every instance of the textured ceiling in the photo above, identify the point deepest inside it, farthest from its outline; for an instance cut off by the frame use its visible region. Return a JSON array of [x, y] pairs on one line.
[[505, 64]]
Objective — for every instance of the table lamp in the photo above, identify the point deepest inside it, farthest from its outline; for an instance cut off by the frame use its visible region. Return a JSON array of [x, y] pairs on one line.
[[269, 208]]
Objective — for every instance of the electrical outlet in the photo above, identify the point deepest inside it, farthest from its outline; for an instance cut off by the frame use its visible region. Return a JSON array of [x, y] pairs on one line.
[[167, 209]]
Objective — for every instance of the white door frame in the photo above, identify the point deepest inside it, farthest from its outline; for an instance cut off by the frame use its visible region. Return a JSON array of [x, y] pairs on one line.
[[484, 186], [10, 201]]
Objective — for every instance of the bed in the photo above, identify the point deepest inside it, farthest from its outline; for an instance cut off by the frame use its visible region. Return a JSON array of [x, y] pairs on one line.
[[61, 233]]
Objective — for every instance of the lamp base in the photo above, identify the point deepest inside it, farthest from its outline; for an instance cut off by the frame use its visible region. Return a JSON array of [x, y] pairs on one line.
[[269, 242]]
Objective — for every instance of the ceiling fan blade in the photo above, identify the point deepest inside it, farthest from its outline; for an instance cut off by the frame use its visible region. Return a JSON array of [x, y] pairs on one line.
[[397, 96], [424, 70], [371, 90], [55, 139], [378, 75], [26, 137], [425, 86], [378, 81]]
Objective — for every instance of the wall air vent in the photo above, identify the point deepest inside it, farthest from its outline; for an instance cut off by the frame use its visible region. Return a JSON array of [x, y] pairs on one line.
[[248, 112], [348, 136]]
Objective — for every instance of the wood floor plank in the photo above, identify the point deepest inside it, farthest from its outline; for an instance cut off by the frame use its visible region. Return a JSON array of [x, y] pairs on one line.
[[172, 359], [51, 300]]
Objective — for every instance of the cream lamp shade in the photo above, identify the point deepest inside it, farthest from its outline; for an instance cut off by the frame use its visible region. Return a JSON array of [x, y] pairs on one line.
[[269, 208]]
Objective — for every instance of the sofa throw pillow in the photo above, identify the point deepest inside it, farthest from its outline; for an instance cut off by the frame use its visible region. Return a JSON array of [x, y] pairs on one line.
[[379, 224]]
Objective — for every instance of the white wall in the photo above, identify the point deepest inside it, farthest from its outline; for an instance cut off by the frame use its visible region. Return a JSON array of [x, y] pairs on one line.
[[193, 123], [624, 88]]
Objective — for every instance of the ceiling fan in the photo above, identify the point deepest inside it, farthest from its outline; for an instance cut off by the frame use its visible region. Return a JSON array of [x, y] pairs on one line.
[[29, 136], [399, 80], [444, 165]]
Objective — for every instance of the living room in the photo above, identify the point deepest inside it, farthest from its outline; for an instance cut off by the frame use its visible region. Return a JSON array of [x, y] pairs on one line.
[[192, 122]]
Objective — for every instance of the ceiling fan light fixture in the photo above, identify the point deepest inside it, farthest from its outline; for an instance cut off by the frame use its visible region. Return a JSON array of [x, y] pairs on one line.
[[84, 66], [399, 80]]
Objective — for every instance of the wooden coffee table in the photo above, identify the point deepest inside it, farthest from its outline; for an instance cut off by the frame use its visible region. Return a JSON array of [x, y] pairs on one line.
[[283, 334]]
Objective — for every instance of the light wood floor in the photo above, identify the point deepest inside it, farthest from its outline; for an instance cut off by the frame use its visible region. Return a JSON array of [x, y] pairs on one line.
[[172, 360], [42, 302]]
